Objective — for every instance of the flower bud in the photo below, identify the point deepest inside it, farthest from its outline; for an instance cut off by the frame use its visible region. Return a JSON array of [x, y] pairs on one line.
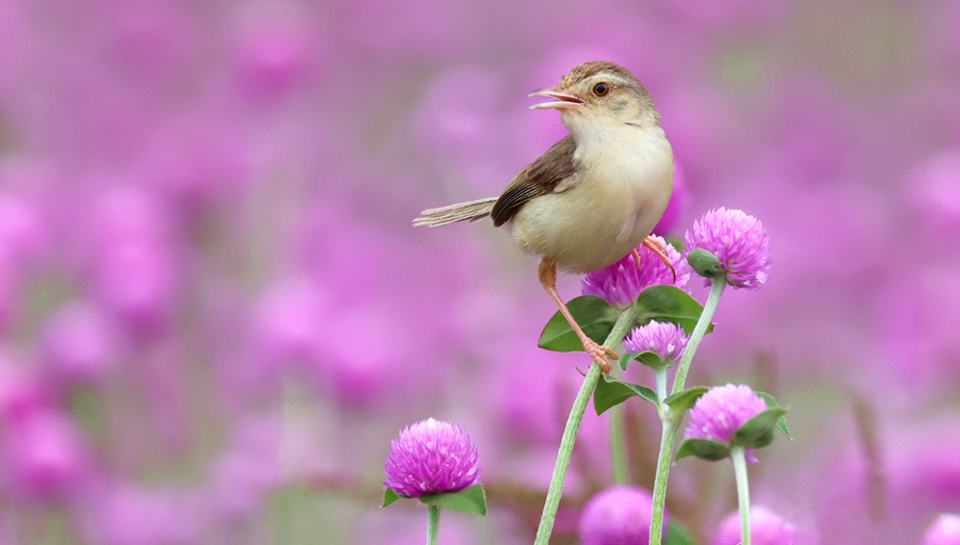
[[705, 263]]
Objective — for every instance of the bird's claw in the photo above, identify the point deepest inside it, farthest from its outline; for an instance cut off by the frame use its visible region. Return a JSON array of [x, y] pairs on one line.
[[600, 354], [660, 250]]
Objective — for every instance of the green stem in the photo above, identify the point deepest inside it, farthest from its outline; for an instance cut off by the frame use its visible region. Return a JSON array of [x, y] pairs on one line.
[[670, 420], [699, 330], [552, 503], [739, 459], [618, 447], [661, 374], [664, 458], [433, 525]]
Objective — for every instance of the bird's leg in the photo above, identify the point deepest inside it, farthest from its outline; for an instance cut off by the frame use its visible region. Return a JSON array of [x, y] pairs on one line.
[[548, 278], [658, 248]]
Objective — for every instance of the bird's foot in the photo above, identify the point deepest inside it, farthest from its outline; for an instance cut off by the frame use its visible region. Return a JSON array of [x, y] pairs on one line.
[[658, 248], [600, 354]]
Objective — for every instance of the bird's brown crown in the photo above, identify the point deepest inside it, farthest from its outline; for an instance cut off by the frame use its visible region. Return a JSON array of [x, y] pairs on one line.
[[590, 68]]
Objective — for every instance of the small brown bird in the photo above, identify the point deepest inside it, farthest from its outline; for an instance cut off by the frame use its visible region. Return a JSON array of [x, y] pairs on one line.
[[594, 195]]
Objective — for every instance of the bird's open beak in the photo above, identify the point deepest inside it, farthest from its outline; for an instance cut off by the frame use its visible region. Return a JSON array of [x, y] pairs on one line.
[[563, 101]]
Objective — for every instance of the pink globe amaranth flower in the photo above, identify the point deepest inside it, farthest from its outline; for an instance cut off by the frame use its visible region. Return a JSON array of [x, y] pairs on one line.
[[766, 528], [945, 530], [738, 240], [619, 515], [668, 340], [721, 411], [273, 49], [284, 321], [359, 373], [22, 390], [620, 283], [134, 261], [137, 283], [47, 457], [431, 457], [78, 345], [197, 166]]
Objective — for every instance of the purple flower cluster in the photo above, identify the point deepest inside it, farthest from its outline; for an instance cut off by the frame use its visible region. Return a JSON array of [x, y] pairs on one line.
[[945, 530], [620, 283], [666, 339], [620, 515], [738, 240], [720, 412], [766, 528], [431, 457]]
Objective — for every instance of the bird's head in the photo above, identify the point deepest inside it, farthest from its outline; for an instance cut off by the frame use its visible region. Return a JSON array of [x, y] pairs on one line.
[[599, 94]]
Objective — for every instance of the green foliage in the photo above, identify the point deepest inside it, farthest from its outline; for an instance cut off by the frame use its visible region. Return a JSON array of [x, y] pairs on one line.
[[668, 304], [772, 403], [678, 534], [595, 316], [389, 496], [705, 449], [647, 357], [472, 499], [758, 431], [612, 391], [683, 400]]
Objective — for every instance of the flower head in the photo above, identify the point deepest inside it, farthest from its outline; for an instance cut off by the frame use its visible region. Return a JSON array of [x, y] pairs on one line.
[[666, 339], [620, 283], [431, 457], [722, 410], [49, 460], [766, 528], [620, 515], [739, 242], [944, 531]]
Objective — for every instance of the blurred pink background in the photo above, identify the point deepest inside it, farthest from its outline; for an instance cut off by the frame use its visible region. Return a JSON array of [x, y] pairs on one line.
[[215, 314]]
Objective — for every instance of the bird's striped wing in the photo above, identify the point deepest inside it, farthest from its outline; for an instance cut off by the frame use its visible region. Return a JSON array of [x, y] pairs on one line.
[[540, 177]]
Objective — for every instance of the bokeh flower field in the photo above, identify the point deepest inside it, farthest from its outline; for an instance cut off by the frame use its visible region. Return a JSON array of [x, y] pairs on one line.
[[215, 314]]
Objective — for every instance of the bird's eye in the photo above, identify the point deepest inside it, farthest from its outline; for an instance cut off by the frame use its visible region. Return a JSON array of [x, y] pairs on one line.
[[600, 89]]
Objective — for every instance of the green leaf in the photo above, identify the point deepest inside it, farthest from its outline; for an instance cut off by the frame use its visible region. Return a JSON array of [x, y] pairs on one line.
[[668, 304], [705, 449], [758, 431], [678, 534], [683, 400], [472, 499], [647, 357], [594, 315], [611, 392], [771, 403], [389, 496]]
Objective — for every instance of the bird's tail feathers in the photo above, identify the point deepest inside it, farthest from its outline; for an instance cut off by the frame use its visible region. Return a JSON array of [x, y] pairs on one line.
[[453, 213]]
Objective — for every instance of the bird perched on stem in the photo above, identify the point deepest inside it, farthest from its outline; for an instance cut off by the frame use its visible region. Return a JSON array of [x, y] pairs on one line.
[[595, 195]]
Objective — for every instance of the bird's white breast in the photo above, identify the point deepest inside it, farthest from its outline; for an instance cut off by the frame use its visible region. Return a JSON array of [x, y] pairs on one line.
[[623, 183]]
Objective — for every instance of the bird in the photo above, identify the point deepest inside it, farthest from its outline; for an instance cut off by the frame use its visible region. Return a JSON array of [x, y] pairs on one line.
[[595, 195]]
